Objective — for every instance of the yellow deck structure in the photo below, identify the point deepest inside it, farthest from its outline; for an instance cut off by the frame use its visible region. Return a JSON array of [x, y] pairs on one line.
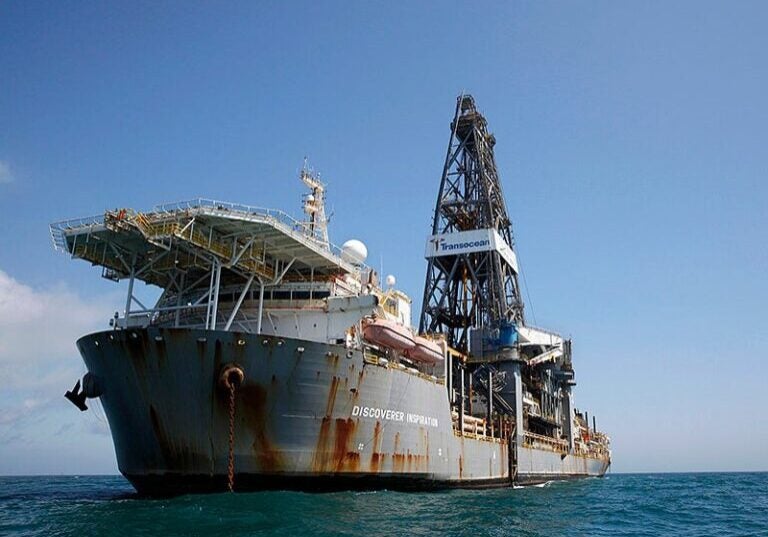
[[191, 244]]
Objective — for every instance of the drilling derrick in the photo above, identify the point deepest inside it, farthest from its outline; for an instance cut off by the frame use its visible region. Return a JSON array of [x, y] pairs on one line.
[[472, 269]]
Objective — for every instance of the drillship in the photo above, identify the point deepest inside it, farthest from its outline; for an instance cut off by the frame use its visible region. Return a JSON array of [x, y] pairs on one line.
[[274, 359]]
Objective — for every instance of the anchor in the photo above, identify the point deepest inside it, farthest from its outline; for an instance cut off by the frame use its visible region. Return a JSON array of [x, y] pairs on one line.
[[92, 388], [77, 397]]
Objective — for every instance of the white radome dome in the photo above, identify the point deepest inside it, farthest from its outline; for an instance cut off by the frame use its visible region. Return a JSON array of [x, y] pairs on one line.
[[309, 206], [354, 251], [391, 280]]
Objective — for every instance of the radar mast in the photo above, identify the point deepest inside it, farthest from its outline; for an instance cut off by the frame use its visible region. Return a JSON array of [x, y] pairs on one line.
[[314, 205]]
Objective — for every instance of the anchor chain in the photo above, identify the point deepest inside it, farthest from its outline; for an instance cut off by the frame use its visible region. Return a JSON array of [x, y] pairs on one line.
[[231, 378], [231, 464]]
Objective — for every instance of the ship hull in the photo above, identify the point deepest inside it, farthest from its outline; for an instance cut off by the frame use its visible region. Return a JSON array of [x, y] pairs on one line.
[[308, 416]]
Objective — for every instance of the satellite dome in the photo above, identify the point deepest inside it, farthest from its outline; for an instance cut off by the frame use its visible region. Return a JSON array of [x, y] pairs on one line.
[[309, 204], [353, 251], [391, 281]]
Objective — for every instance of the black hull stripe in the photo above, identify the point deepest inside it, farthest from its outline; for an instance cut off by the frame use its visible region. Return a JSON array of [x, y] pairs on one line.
[[174, 485]]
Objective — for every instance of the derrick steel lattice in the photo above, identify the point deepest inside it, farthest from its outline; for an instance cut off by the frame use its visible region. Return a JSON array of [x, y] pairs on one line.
[[476, 289]]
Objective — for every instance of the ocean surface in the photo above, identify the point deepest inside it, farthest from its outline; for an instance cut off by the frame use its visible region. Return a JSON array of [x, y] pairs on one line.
[[717, 504]]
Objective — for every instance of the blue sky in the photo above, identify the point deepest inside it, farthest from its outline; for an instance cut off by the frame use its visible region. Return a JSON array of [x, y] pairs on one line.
[[631, 145]]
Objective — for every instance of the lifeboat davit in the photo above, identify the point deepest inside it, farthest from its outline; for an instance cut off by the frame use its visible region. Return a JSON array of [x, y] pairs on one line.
[[389, 334], [425, 350]]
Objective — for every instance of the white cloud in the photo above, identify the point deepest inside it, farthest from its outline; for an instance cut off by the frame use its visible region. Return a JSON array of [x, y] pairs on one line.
[[13, 413], [5, 172], [39, 361], [38, 356]]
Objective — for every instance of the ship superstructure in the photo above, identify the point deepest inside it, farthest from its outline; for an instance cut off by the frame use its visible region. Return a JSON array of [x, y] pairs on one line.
[[273, 358]]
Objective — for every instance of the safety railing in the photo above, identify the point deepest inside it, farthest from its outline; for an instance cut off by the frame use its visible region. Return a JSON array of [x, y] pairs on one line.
[[534, 440], [246, 211], [145, 221], [73, 223], [59, 229], [592, 450], [226, 206]]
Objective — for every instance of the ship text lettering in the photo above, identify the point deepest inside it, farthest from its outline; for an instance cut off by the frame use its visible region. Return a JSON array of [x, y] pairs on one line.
[[389, 414]]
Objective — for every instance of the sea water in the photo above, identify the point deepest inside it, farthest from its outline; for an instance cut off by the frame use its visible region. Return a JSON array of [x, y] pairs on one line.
[[711, 504]]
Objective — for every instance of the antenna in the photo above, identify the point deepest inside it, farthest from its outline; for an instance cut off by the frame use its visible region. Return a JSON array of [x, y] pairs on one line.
[[316, 225]]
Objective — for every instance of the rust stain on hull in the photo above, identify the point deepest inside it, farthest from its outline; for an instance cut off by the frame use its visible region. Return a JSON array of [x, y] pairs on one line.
[[137, 350], [178, 457], [332, 396], [162, 438], [321, 456], [254, 400], [376, 457], [343, 456], [398, 462], [360, 378], [336, 455], [200, 345], [217, 360], [162, 355]]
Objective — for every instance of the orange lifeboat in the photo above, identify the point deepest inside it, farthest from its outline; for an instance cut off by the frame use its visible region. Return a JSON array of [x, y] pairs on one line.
[[425, 350], [389, 334]]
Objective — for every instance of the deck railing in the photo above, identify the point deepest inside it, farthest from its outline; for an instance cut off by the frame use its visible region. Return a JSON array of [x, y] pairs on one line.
[[59, 229], [248, 211], [537, 441]]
